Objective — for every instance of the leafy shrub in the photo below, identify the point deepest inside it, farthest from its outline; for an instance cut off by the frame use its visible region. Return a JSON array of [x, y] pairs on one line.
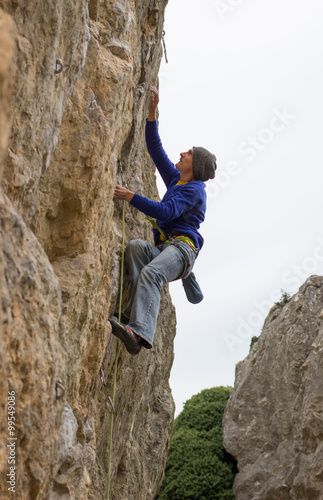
[[198, 468], [285, 298]]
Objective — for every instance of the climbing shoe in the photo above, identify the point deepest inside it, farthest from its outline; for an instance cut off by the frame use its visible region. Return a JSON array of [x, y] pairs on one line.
[[123, 318], [127, 336]]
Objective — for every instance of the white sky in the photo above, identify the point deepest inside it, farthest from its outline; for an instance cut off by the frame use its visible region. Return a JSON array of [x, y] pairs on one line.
[[232, 71]]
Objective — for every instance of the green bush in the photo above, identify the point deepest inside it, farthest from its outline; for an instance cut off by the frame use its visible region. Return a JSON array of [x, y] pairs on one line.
[[254, 340], [198, 468], [284, 299]]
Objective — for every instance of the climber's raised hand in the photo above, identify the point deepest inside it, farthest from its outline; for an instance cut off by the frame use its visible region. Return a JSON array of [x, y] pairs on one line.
[[122, 193], [153, 104]]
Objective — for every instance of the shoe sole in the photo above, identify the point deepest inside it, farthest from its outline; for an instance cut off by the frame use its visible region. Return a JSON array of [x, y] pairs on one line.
[[121, 333]]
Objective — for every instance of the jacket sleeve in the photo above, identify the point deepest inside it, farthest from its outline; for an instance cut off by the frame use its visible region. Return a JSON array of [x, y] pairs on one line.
[[155, 148], [182, 201]]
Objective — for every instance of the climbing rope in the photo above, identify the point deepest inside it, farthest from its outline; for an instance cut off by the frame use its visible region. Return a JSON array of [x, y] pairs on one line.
[[117, 349]]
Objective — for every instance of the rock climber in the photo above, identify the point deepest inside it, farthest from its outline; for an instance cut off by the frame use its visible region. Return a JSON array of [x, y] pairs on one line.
[[176, 221]]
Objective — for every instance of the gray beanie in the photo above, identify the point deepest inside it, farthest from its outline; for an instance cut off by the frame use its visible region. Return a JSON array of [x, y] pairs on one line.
[[204, 164]]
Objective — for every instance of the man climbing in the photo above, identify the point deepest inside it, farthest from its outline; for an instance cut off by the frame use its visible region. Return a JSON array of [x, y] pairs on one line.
[[177, 240]]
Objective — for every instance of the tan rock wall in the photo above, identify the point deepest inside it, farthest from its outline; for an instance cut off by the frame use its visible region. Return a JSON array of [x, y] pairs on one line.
[[74, 134], [273, 423], [30, 324], [55, 30]]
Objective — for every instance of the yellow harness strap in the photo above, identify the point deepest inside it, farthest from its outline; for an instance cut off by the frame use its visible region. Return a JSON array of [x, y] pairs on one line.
[[165, 239]]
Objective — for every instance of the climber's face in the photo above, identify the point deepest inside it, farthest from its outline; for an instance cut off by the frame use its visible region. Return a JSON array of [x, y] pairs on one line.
[[185, 164]]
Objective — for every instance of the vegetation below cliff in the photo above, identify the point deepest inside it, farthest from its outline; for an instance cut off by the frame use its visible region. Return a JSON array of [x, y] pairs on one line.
[[198, 468]]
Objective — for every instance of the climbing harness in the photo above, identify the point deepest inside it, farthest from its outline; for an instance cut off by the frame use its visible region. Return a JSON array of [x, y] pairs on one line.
[[164, 46], [183, 238], [117, 350], [165, 238]]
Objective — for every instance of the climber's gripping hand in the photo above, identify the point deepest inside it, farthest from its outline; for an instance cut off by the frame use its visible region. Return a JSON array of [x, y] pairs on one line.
[[153, 104], [122, 193]]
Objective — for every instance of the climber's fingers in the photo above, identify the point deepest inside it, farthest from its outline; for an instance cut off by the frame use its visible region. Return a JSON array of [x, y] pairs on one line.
[[154, 96], [119, 192], [122, 193]]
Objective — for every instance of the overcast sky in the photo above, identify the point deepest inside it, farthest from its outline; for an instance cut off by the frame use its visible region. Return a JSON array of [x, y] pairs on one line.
[[245, 81]]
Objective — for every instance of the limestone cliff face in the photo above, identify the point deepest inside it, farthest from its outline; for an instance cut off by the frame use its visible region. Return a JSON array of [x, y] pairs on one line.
[[79, 101], [273, 423]]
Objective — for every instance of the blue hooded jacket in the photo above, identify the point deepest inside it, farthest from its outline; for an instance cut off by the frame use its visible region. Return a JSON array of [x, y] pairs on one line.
[[183, 207]]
